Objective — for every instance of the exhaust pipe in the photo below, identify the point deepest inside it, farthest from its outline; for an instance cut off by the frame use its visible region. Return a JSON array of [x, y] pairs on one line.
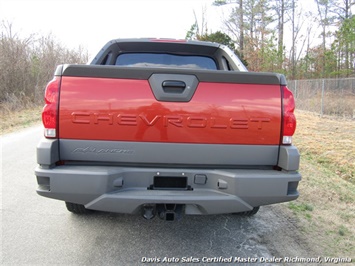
[[149, 212]]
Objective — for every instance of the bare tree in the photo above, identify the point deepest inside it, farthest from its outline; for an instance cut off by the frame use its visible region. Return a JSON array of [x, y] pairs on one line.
[[235, 23], [199, 28], [343, 9], [281, 9], [27, 64], [298, 19], [325, 20]]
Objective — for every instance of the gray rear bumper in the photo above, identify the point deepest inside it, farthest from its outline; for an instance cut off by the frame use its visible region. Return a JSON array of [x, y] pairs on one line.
[[125, 190]]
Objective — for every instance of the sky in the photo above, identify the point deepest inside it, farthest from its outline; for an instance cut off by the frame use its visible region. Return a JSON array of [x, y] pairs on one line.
[[92, 23]]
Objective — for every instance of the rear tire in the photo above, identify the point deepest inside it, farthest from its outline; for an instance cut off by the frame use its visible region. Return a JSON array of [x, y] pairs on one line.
[[77, 208], [248, 213]]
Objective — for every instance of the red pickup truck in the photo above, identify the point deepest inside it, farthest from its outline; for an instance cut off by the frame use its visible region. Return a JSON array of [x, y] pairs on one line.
[[167, 127]]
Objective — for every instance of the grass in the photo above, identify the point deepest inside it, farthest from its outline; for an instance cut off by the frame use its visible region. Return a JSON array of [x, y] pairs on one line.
[[300, 207], [328, 140], [326, 207], [14, 120]]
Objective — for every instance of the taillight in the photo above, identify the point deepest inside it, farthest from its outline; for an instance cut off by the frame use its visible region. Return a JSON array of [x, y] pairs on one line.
[[50, 110], [289, 119]]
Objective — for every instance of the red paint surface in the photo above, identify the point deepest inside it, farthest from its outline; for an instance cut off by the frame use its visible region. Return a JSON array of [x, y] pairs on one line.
[[126, 110]]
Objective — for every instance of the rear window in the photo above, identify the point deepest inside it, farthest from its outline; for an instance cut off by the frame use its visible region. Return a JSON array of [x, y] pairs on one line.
[[165, 60]]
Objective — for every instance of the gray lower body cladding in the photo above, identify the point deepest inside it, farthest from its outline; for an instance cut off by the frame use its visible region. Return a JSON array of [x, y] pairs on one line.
[[207, 179], [128, 189], [153, 153]]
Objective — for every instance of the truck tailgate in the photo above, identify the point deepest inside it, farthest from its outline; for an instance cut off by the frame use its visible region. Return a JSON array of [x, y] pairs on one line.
[[115, 116]]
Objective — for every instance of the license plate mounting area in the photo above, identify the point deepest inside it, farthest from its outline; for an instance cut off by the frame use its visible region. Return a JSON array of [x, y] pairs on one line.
[[170, 183]]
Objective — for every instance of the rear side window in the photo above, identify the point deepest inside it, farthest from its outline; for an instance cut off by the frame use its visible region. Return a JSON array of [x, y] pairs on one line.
[[165, 60], [107, 59]]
